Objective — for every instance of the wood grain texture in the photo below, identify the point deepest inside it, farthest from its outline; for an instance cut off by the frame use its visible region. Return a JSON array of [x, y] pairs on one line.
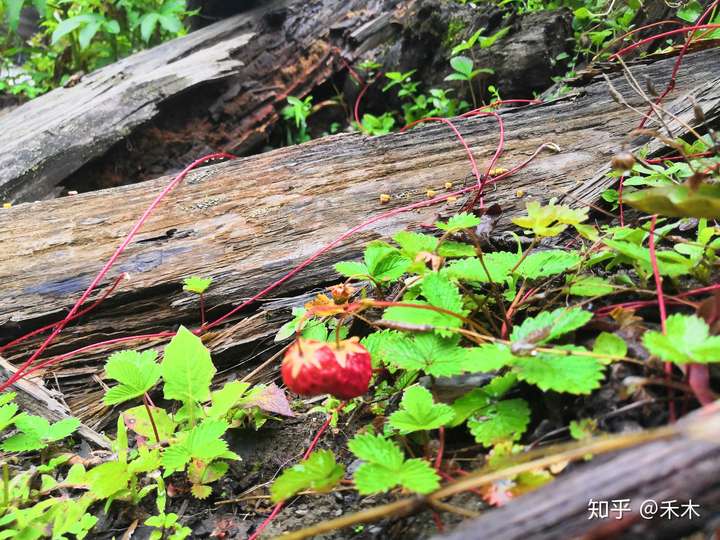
[[278, 48], [246, 222], [685, 467]]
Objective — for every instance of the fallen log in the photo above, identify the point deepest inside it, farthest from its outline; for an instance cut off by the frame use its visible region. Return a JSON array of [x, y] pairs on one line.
[[255, 59], [681, 470], [245, 223]]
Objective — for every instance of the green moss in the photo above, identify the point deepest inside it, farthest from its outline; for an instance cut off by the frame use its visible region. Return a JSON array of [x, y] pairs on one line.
[[455, 29]]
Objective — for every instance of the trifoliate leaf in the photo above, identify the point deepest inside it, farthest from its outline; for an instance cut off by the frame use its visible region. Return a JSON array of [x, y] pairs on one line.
[[196, 284], [319, 472], [36, 432], [550, 325], [610, 345], [547, 263], [590, 286], [108, 478], [500, 421], [573, 374], [418, 412], [427, 352], [442, 293], [137, 372], [186, 368], [385, 467], [459, 222], [550, 220], [203, 442], [687, 340], [498, 264], [146, 461]]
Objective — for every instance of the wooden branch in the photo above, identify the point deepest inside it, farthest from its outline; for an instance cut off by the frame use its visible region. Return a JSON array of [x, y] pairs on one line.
[[278, 48], [681, 469], [247, 222]]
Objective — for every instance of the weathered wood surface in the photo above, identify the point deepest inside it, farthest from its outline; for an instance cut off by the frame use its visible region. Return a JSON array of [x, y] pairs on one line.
[[35, 398], [278, 48], [681, 469], [246, 222]]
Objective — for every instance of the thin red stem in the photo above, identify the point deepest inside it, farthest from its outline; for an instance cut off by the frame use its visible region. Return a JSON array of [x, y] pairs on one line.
[[146, 402], [441, 447], [79, 314], [663, 312]]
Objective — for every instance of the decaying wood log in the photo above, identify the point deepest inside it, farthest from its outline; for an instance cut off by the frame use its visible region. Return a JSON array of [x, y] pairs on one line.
[[682, 469], [246, 222], [35, 399], [281, 47]]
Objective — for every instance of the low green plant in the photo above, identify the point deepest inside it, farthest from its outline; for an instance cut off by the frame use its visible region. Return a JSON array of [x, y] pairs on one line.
[[297, 110]]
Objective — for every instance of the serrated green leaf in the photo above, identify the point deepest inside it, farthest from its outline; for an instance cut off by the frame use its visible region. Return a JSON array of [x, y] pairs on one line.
[[427, 352], [550, 325], [186, 369], [498, 264], [547, 263], [203, 442], [590, 286], [468, 404], [610, 345], [376, 449], [137, 372], [7, 397], [459, 221], [372, 478], [418, 412], [196, 284], [319, 472], [378, 345], [61, 429], [226, 398], [551, 219], [572, 374], [687, 340], [417, 475], [412, 243], [489, 357], [108, 478], [504, 420], [351, 269], [452, 249]]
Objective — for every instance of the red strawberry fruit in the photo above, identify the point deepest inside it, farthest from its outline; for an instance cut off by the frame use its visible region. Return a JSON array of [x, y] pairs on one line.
[[313, 368]]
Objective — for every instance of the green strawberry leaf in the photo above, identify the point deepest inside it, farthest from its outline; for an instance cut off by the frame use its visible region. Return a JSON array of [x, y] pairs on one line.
[[137, 372], [418, 412], [319, 472], [504, 420], [687, 340]]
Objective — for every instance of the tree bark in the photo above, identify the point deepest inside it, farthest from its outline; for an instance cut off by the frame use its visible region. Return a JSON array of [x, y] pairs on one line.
[[248, 63], [247, 222]]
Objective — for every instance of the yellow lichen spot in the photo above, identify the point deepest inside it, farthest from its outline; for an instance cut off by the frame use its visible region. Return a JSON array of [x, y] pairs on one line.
[[384, 198], [519, 193], [451, 199], [430, 193], [448, 185], [497, 171], [7, 205]]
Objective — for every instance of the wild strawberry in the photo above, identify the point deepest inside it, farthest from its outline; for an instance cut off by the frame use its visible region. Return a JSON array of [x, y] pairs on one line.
[[312, 368]]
